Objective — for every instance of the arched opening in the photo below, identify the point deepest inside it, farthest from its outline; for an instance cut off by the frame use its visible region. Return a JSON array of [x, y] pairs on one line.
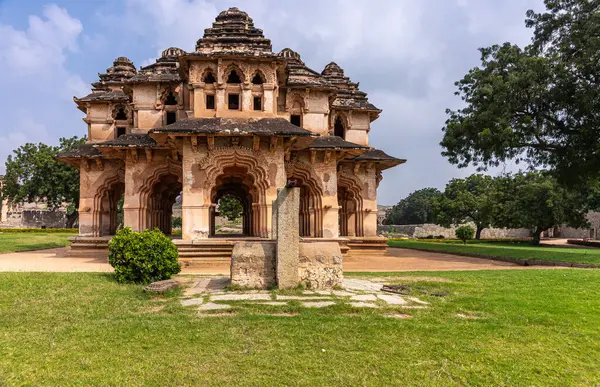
[[258, 79], [171, 99], [338, 128], [234, 77], [121, 115], [209, 78], [236, 184], [350, 208], [311, 205], [109, 213], [162, 196], [229, 218]]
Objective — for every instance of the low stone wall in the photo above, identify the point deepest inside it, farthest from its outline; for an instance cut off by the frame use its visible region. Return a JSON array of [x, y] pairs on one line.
[[253, 264], [424, 230], [320, 265]]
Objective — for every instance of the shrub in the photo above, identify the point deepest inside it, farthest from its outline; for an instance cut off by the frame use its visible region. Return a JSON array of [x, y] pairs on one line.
[[464, 233], [142, 257], [176, 222]]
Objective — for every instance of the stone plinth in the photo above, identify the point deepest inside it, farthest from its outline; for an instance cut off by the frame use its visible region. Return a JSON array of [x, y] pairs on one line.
[[288, 231], [320, 265], [253, 264]]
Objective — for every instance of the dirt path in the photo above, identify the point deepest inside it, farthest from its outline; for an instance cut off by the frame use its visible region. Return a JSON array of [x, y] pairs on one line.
[[57, 260]]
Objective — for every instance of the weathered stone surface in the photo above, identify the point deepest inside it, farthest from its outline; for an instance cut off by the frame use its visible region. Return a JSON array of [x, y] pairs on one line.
[[342, 293], [287, 206], [192, 301], [364, 297], [253, 264], [283, 297], [240, 297], [273, 303], [317, 304], [361, 285], [392, 299], [320, 264], [162, 286]]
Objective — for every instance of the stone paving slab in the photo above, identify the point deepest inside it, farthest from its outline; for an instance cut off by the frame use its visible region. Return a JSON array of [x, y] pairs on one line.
[[321, 304], [362, 285], [392, 299], [342, 293], [213, 306], [302, 298], [240, 297], [364, 297], [192, 301]]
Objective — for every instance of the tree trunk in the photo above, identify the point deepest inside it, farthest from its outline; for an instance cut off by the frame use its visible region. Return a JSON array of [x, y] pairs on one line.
[[478, 232], [537, 236], [71, 219]]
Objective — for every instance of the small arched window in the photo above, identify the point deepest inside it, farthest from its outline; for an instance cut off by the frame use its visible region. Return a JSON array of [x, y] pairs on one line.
[[121, 115], [257, 79], [233, 77], [209, 78], [171, 100], [338, 128]]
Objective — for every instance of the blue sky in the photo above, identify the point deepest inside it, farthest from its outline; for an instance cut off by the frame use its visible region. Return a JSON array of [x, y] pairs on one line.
[[406, 54]]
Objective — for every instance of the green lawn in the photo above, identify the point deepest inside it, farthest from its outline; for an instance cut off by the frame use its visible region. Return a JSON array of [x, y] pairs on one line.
[[520, 251], [536, 327], [21, 241]]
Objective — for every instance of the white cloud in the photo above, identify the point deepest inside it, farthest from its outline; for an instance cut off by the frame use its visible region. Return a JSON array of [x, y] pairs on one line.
[[33, 73], [41, 47]]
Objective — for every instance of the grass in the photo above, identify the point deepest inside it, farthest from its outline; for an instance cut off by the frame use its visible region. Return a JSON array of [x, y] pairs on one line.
[[520, 251], [22, 241], [536, 327]]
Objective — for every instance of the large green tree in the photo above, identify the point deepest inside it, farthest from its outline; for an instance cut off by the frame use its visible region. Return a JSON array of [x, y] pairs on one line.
[[230, 207], [416, 208], [536, 200], [539, 104], [34, 174], [469, 199]]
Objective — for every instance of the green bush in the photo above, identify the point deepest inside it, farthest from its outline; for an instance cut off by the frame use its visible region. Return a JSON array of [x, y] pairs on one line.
[[142, 257], [464, 233]]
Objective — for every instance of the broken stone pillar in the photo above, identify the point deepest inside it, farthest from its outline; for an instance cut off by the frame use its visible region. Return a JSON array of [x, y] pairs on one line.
[[288, 235]]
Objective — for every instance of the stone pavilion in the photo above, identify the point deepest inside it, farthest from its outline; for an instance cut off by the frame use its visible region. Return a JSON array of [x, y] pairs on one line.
[[230, 118]]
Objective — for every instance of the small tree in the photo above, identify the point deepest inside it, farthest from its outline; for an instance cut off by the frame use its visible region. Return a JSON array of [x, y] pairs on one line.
[[230, 207], [535, 200], [416, 208], [33, 174], [464, 233], [469, 199]]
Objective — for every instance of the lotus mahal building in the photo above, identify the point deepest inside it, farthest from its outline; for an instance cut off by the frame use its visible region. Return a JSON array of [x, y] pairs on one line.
[[230, 118]]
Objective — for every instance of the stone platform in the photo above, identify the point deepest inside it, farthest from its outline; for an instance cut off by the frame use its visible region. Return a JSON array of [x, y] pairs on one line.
[[219, 249]]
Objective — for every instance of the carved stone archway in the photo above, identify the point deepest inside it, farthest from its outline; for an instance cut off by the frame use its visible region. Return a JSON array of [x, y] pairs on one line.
[[351, 215], [311, 194]]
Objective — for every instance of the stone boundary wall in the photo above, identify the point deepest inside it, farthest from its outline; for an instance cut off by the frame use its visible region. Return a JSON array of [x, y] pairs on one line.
[[21, 217], [424, 230]]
